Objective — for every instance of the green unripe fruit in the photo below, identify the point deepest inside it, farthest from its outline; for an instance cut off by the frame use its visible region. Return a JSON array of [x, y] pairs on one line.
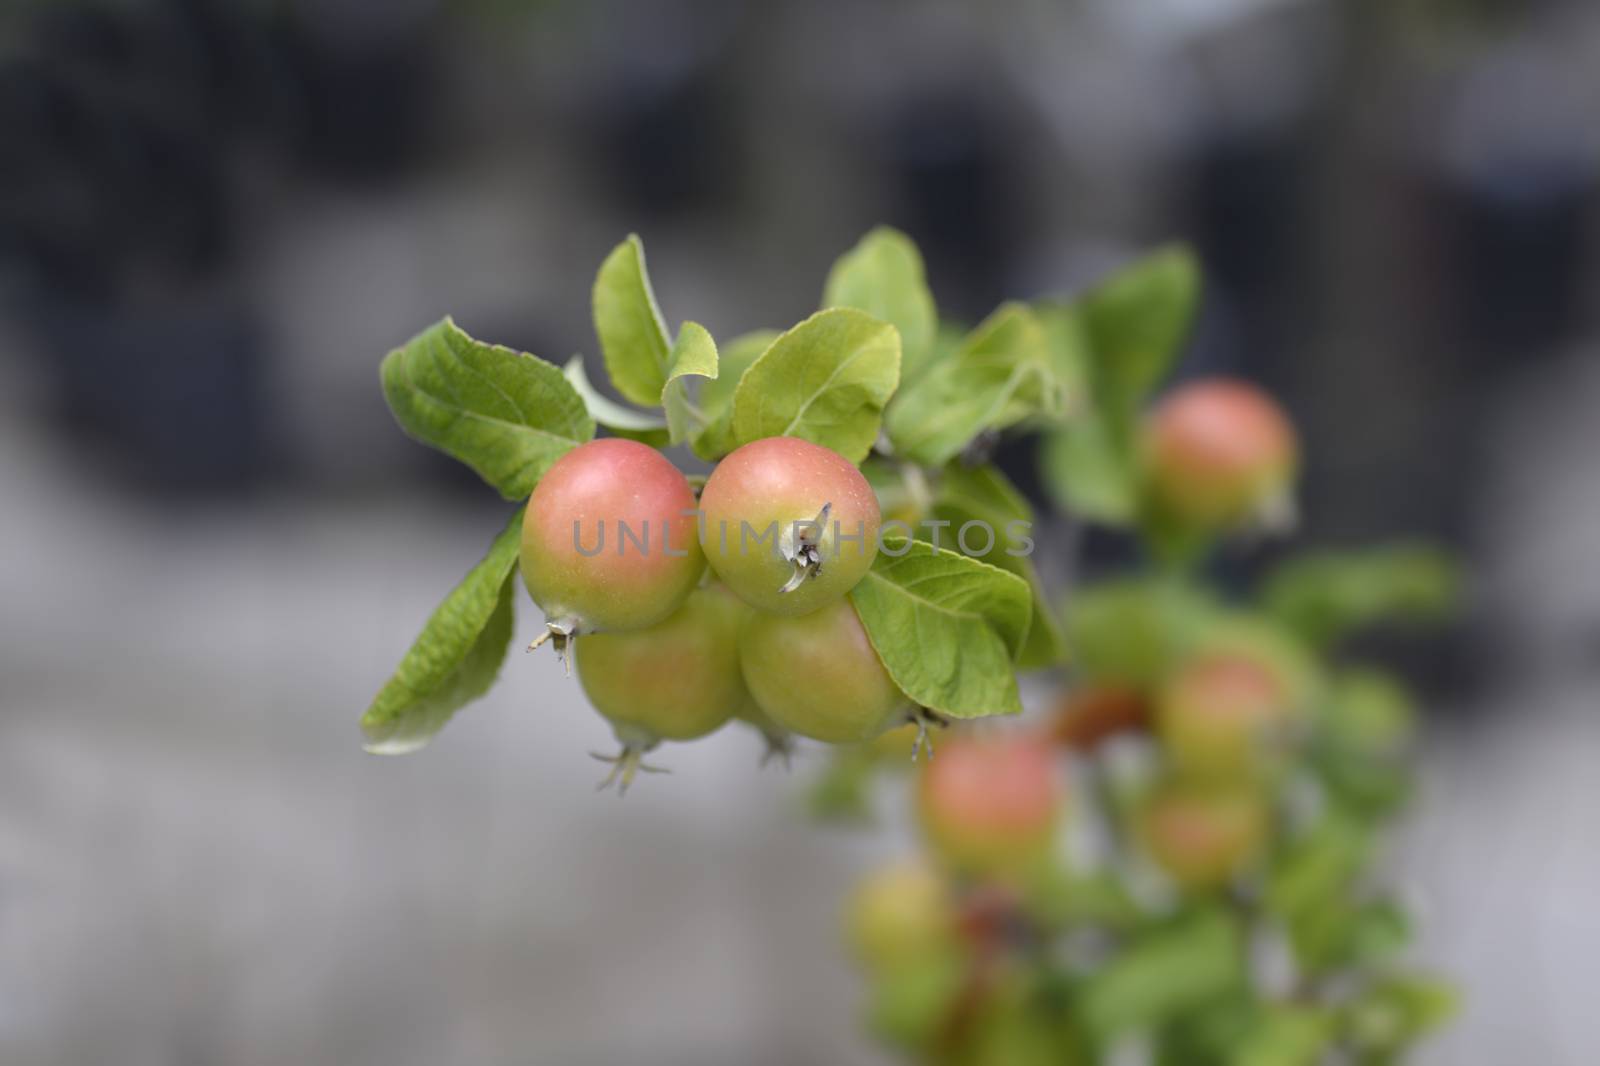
[[817, 675], [608, 540], [900, 914], [989, 804], [674, 681], [789, 525], [1220, 454], [1203, 836]]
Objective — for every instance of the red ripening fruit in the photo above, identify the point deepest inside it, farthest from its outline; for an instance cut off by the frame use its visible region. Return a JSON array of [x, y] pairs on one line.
[[817, 675], [677, 680], [989, 804], [791, 526], [1094, 714], [1220, 453], [1203, 837], [1223, 714], [608, 540]]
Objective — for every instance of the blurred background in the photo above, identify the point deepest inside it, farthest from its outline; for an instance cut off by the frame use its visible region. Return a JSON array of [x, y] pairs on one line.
[[216, 217]]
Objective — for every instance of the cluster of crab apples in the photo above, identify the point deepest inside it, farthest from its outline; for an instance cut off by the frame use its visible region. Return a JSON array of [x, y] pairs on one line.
[[685, 609], [682, 612]]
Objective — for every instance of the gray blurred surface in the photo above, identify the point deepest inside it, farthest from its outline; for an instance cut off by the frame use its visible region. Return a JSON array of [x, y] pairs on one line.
[[199, 865]]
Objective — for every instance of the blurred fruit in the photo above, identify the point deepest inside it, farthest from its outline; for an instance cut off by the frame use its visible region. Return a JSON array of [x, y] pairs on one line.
[[1222, 715], [1088, 716], [1220, 454], [900, 915], [1203, 836], [990, 804]]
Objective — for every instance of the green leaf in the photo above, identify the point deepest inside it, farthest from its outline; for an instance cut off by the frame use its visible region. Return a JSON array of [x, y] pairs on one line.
[[883, 276], [1002, 374], [909, 1004], [1137, 321], [842, 792], [633, 338], [456, 657], [1329, 595], [1088, 474], [982, 494], [1062, 900], [1392, 1014], [825, 381], [1087, 468], [642, 426], [1317, 870], [506, 414], [1284, 1035], [947, 628], [1131, 631], [714, 439], [1369, 714], [694, 354], [1168, 972]]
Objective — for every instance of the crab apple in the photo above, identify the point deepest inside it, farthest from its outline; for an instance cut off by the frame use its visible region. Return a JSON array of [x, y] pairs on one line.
[[1089, 716], [677, 680], [608, 540], [900, 914], [989, 804], [1220, 454], [1203, 836], [817, 675], [1223, 714], [791, 526]]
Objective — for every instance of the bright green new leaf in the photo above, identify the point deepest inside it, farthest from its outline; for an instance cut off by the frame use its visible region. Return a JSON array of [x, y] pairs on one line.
[[1164, 974], [633, 338], [1002, 374], [1137, 322], [1004, 520], [1089, 468], [456, 657], [642, 426], [1088, 474], [883, 276], [825, 381], [503, 413], [694, 354], [948, 628], [714, 439]]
